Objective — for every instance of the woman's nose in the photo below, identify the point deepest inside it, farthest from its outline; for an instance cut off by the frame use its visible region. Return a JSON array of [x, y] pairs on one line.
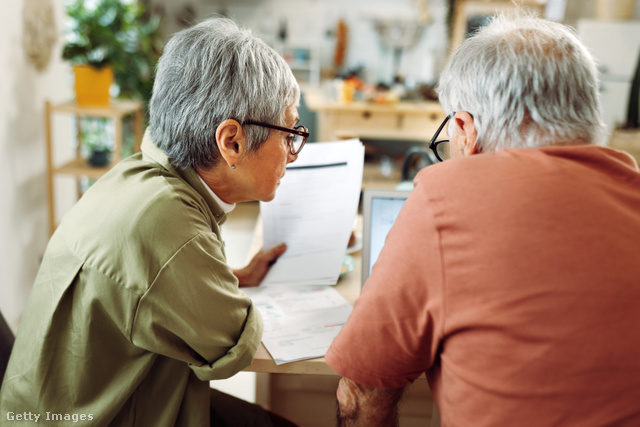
[[291, 157]]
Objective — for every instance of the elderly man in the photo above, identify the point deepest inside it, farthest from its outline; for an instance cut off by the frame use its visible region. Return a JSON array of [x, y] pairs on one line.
[[511, 276], [134, 308]]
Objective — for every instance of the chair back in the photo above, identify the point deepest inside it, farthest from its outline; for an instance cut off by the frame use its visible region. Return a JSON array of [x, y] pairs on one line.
[[6, 344]]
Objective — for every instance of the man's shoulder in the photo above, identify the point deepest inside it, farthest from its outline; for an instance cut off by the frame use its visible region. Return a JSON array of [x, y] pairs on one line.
[[513, 177], [523, 161], [472, 170]]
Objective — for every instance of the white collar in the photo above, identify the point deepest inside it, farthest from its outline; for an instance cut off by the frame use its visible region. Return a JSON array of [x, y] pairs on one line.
[[226, 207]]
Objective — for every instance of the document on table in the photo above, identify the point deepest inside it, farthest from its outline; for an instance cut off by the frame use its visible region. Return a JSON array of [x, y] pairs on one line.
[[299, 322], [313, 212]]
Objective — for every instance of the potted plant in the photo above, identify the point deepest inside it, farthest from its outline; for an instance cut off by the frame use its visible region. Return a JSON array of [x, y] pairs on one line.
[[96, 139], [111, 40]]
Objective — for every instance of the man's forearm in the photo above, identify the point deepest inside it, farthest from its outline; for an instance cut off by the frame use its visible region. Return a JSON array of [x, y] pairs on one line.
[[360, 405]]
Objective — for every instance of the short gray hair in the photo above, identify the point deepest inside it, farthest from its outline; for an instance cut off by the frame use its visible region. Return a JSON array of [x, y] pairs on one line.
[[528, 82], [209, 73]]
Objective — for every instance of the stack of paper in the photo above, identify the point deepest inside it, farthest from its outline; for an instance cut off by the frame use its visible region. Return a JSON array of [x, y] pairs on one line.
[[299, 322], [313, 213]]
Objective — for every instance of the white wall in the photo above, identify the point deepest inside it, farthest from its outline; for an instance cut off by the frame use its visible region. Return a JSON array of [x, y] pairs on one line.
[[23, 216], [309, 22]]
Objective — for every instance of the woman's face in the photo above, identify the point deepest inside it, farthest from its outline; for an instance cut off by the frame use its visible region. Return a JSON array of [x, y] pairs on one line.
[[265, 167]]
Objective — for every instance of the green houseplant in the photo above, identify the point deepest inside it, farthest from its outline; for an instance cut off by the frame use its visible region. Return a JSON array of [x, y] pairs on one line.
[[117, 41], [118, 34], [96, 140]]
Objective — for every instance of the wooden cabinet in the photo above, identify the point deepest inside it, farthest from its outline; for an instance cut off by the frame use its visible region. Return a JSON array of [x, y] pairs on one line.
[[304, 63], [406, 121], [395, 123], [78, 166]]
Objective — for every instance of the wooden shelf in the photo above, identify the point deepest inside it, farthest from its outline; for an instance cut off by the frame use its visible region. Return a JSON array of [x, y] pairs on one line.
[[114, 110], [79, 167]]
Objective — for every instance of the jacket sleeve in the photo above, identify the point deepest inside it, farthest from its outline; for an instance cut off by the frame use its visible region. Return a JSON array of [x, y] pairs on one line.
[[194, 312]]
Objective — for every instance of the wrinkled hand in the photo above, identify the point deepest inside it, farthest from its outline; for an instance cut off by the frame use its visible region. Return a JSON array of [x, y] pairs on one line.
[[252, 274]]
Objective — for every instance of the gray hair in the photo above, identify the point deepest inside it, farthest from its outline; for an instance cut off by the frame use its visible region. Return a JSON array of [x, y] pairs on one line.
[[209, 73], [527, 82]]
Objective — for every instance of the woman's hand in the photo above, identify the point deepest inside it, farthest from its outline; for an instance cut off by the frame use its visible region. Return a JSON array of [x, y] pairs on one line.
[[252, 274]]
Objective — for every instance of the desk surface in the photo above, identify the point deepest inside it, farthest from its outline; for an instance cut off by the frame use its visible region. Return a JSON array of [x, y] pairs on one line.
[[349, 288], [306, 400]]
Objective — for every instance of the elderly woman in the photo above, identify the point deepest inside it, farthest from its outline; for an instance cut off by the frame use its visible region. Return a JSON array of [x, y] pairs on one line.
[[135, 309]]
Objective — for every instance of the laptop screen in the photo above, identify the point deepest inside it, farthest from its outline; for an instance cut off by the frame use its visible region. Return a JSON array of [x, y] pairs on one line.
[[379, 211]]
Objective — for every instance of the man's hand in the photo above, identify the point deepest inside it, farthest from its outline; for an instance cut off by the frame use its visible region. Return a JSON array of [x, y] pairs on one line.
[[359, 405], [252, 274]]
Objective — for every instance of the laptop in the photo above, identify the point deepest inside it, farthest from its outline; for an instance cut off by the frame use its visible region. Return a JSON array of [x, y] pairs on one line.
[[380, 208]]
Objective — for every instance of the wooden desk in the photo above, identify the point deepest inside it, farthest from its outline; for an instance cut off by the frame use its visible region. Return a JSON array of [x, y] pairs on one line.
[[396, 123], [409, 121], [348, 286], [308, 397]]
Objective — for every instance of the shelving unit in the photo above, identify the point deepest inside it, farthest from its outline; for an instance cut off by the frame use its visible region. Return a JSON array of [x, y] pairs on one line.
[[79, 167], [304, 63]]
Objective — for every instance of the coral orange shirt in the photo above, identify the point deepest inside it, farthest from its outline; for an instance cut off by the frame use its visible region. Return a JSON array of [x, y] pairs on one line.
[[513, 280]]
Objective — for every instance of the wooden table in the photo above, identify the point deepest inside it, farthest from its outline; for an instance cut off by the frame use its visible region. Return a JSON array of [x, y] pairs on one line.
[[308, 397], [349, 288]]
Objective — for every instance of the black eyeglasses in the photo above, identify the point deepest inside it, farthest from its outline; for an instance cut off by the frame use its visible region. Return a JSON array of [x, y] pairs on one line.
[[440, 148], [300, 135]]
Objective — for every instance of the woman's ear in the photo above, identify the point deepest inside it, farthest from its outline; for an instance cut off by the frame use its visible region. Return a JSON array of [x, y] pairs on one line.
[[464, 123], [231, 141]]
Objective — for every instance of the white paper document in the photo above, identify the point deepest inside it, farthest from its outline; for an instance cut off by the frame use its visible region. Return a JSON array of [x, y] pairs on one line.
[[313, 212], [299, 322]]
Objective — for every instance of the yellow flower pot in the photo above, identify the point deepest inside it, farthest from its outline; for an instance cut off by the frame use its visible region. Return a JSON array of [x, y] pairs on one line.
[[92, 85]]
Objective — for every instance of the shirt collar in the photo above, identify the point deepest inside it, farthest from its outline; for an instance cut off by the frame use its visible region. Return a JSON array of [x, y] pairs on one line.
[[151, 152], [226, 207]]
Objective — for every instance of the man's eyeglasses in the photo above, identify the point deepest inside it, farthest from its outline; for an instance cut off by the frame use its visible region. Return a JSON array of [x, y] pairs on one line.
[[299, 135], [440, 148]]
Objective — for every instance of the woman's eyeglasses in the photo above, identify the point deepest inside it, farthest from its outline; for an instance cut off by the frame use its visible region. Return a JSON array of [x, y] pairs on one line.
[[297, 140]]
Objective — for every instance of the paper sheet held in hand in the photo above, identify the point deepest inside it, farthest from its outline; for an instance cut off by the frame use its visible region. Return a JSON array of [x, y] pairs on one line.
[[313, 212]]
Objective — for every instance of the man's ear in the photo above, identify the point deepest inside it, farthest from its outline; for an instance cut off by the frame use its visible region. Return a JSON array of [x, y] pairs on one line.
[[231, 141], [464, 124]]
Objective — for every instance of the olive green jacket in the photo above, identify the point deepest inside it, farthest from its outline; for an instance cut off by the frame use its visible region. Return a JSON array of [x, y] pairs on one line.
[[134, 308]]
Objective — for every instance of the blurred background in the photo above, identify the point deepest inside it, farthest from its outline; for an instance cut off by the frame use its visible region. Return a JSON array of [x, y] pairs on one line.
[[367, 69]]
